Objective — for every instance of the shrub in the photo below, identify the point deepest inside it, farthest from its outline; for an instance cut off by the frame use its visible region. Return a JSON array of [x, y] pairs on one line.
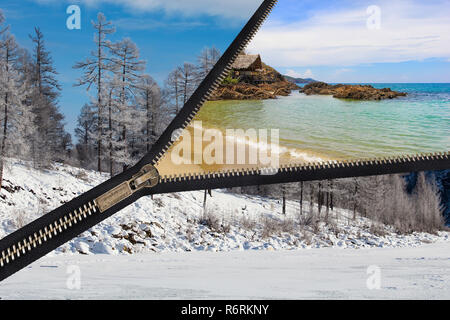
[[230, 80]]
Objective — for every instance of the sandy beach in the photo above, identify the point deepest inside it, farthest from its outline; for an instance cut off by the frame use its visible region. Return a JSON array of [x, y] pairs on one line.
[[188, 156]]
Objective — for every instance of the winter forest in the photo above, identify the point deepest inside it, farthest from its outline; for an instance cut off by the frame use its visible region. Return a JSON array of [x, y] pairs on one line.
[[128, 111]]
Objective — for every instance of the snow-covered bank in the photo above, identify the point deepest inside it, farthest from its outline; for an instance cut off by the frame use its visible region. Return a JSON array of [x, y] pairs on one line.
[[177, 223], [327, 273]]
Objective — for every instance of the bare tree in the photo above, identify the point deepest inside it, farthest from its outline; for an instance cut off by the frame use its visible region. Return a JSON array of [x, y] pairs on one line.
[[428, 208], [206, 61], [95, 69], [127, 69], [150, 99], [44, 100], [84, 132], [188, 80], [16, 117], [173, 85]]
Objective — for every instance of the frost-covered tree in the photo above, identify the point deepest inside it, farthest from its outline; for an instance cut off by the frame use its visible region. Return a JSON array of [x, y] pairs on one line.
[[428, 205], [85, 133], [173, 85], [188, 80], [127, 69], [17, 120], [182, 82], [3, 28], [95, 70], [44, 100], [206, 61], [150, 101]]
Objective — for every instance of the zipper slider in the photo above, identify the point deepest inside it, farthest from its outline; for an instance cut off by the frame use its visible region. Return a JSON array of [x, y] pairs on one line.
[[148, 177]]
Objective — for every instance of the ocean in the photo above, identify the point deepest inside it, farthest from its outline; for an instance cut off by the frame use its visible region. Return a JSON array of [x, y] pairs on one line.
[[329, 128]]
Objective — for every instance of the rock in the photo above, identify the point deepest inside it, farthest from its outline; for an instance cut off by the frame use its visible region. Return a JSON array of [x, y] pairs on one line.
[[356, 92], [246, 91]]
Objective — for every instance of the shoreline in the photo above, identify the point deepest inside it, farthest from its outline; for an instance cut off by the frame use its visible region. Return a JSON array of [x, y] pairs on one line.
[[286, 155]]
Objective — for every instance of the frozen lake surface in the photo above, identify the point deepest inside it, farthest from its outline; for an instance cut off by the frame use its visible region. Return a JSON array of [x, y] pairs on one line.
[[325, 273]]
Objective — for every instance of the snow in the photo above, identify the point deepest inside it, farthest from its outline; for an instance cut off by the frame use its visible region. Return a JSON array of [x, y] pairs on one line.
[[173, 223], [326, 273], [163, 248]]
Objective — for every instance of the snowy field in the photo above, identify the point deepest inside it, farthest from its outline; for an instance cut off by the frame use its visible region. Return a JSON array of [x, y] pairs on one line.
[[326, 273], [176, 222], [240, 247]]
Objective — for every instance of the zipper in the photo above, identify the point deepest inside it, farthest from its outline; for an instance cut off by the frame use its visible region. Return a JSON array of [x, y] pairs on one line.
[[314, 171]]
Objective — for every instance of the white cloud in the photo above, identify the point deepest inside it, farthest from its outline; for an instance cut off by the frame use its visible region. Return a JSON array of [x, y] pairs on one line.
[[410, 30], [292, 73], [152, 24], [343, 70], [235, 9]]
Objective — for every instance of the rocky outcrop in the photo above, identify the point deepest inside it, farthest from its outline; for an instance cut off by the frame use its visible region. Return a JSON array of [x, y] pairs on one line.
[[246, 91], [356, 92]]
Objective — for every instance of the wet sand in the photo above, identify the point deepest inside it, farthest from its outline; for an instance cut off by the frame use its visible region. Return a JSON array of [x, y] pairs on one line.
[[184, 158]]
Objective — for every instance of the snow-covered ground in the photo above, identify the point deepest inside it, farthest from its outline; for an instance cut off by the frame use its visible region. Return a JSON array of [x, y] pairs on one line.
[[243, 247], [176, 222], [326, 273]]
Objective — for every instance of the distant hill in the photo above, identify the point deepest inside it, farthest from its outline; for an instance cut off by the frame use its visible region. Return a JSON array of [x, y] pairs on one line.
[[299, 80]]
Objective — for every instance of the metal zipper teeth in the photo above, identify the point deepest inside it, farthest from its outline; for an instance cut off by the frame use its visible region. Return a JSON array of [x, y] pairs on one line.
[[43, 235], [67, 221], [218, 81], [308, 166]]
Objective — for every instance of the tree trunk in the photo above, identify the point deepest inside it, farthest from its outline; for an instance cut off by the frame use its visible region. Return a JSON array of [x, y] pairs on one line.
[[301, 198], [110, 142], [327, 202], [147, 105], [99, 104], [177, 108], [3, 147], [319, 198], [124, 100], [331, 195], [204, 200], [355, 199]]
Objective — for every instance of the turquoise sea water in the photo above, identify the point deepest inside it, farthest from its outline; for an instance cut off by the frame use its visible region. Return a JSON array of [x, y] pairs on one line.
[[340, 129]]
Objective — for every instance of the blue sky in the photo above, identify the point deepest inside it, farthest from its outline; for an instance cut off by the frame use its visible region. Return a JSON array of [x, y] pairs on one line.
[[165, 39], [326, 40], [359, 40]]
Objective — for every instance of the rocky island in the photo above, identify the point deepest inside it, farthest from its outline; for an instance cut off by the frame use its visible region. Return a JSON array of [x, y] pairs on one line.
[[251, 79], [347, 91]]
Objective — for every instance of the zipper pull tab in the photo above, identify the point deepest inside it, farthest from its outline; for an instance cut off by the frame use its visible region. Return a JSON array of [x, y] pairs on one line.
[[148, 177]]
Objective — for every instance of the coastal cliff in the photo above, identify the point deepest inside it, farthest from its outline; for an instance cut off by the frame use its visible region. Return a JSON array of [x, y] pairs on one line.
[[347, 91], [246, 91], [251, 79]]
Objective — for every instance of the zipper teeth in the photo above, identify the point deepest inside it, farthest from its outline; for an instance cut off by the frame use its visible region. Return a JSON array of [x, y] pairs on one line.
[[43, 235], [78, 215], [219, 79], [308, 166]]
